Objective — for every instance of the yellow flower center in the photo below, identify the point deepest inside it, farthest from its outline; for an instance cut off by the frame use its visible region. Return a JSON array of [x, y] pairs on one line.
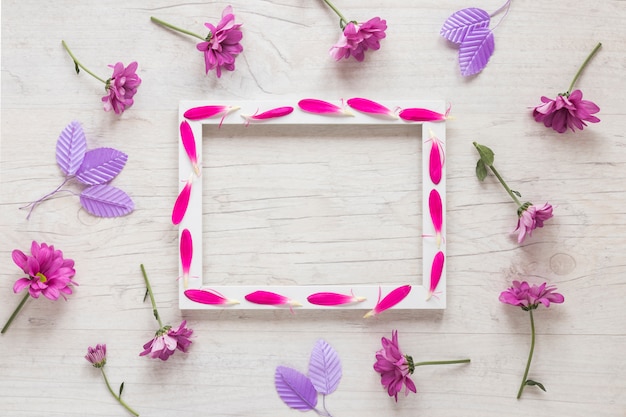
[[41, 277]]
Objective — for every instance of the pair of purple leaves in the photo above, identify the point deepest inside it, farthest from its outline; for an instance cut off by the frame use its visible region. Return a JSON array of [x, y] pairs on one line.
[[94, 168], [469, 29], [300, 391]]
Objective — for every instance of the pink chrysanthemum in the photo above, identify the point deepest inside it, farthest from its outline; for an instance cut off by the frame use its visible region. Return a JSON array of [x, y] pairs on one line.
[[530, 218], [48, 272], [566, 111], [394, 367], [167, 340], [121, 87], [528, 297], [358, 38], [97, 356], [222, 45]]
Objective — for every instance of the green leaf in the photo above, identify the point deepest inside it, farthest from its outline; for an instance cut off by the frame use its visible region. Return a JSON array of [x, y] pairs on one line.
[[145, 296], [481, 170], [535, 383], [76, 67], [486, 154], [121, 389], [517, 193]]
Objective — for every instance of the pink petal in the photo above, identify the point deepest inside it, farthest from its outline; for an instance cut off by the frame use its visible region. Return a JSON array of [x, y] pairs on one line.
[[313, 105], [270, 298], [435, 273], [436, 213], [390, 300], [204, 112], [333, 299], [186, 253], [180, 206], [270, 114], [20, 284], [421, 115], [209, 297], [436, 161], [368, 106], [189, 143]]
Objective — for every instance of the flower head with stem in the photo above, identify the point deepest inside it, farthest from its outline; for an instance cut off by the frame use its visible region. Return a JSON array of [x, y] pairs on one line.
[[48, 273], [166, 339], [568, 109], [97, 357], [529, 216], [121, 86], [528, 297], [222, 44], [395, 367], [356, 38]]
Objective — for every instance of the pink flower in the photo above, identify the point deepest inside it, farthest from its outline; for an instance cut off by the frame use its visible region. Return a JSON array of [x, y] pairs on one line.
[[121, 87], [567, 110], [166, 341], [48, 272], [97, 356], [222, 45], [358, 38], [528, 297], [530, 218], [394, 367]]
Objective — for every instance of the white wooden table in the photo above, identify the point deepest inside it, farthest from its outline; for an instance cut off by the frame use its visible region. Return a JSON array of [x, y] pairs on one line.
[[229, 369]]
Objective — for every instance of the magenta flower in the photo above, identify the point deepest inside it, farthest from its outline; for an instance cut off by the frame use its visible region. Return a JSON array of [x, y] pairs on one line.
[[395, 367], [568, 110], [222, 44], [530, 218], [358, 38], [97, 356], [528, 298], [48, 272], [167, 340], [121, 87]]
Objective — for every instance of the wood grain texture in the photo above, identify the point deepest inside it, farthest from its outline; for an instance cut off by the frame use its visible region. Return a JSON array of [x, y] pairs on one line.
[[229, 370]]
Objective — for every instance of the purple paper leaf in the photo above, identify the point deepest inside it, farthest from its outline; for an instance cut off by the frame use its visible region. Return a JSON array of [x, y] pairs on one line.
[[106, 201], [324, 368], [295, 389], [101, 165], [475, 51], [71, 147], [457, 26]]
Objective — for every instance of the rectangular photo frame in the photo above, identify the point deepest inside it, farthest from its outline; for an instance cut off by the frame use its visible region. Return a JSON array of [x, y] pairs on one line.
[[195, 288]]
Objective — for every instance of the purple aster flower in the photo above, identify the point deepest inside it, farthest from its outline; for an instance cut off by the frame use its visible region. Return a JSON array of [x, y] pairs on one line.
[[166, 341], [528, 297], [222, 44], [121, 87], [97, 356], [530, 218], [566, 111], [358, 38]]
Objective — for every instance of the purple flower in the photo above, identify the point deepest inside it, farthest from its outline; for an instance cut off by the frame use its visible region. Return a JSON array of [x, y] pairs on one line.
[[528, 297], [121, 87], [567, 110], [358, 38], [530, 218], [394, 367], [222, 45], [48, 272], [97, 356], [166, 341]]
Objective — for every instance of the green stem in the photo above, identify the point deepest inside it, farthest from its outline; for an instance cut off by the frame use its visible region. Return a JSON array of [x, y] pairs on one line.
[[582, 67], [77, 62], [530, 354], [118, 398], [506, 187], [17, 310], [149, 289], [442, 362], [342, 19], [176, 28]]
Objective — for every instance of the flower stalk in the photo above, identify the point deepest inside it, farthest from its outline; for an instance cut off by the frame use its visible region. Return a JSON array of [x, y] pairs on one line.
[[17, 310], [149, 292], [582, 67], [530, 354], [181, 30], [78, 64], [117, 397], [486, 160], [342, 19]]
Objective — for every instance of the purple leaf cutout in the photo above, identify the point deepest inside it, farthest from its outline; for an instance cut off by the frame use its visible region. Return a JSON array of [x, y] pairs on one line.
[[460, 23], [106, 201], [71, 147], [295, 389], [324, 368], [475, 51], [101, 165]]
